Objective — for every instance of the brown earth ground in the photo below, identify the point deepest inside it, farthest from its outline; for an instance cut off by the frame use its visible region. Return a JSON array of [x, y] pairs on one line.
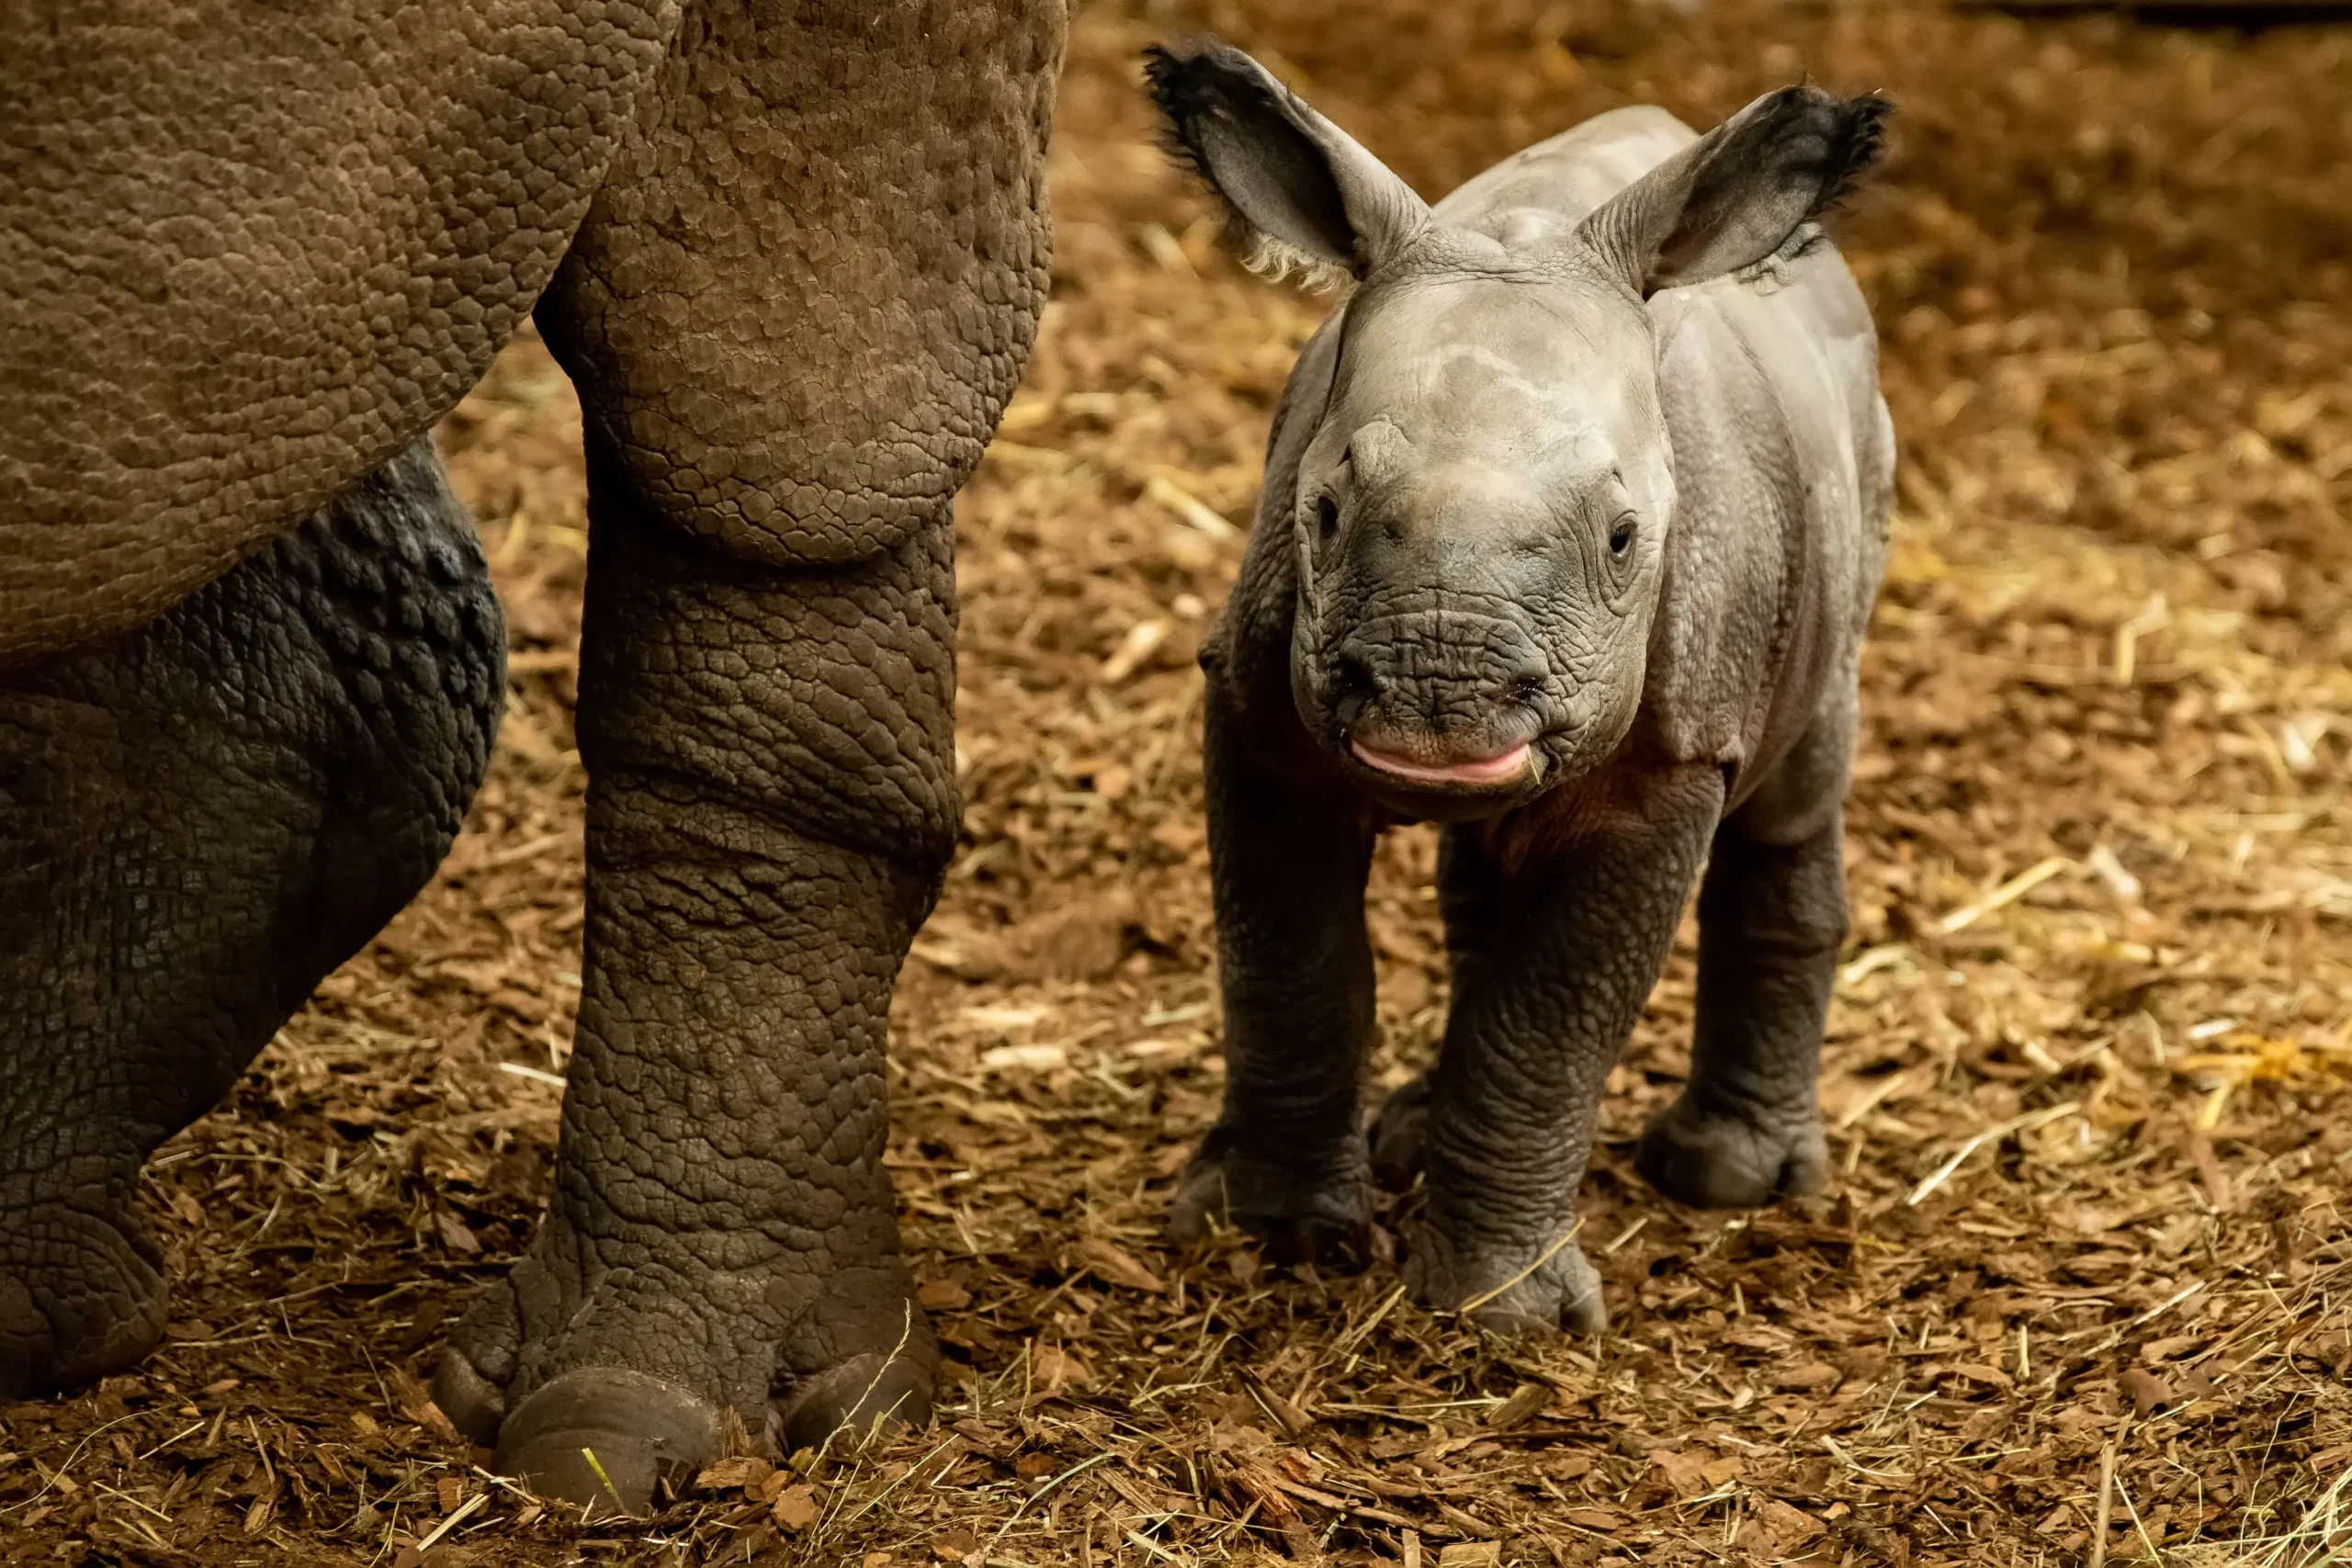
[[2085, 1068]]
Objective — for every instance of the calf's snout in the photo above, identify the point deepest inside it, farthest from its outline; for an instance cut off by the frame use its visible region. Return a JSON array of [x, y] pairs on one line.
[[1438, 689]]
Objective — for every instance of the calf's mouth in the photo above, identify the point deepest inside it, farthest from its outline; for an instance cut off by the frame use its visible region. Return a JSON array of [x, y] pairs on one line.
[[1476, 770], [1442, 710]]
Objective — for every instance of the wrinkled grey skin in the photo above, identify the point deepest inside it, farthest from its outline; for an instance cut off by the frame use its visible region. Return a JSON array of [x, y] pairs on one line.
[[1573, 516], [251, 668]]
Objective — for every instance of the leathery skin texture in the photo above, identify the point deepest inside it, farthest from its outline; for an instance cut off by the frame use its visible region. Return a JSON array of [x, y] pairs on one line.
[[773, 804], [1745, 1128], [1572, 514], [1551, 970], [812, 278], [803, 250], [247, 257], [779, 416], [197, 821]]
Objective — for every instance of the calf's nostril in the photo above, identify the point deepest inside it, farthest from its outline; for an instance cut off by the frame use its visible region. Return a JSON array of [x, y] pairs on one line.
[[1352, 688], [1522, 691]]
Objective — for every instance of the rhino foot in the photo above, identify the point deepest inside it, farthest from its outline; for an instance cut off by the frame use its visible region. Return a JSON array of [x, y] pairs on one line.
[[657, 1383], [79, 1298], [1306, 1211], [1505, 1288], [608, 1438], [614, 1439], [1718, 1157]]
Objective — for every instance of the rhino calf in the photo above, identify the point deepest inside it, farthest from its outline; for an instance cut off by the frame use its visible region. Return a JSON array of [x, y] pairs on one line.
[[1573, 515]]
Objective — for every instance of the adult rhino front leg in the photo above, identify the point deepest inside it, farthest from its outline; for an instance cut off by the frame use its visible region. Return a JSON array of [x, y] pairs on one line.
[[793, 316], [771, 803]]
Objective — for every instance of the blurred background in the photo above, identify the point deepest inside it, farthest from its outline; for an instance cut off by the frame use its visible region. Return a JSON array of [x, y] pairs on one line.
[[2085, 1077]]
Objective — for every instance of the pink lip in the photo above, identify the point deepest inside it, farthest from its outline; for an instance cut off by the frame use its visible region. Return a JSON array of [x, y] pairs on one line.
[[1502, 766]]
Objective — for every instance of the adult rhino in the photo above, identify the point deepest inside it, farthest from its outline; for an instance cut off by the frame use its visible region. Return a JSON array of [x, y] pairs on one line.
[[251, 666]]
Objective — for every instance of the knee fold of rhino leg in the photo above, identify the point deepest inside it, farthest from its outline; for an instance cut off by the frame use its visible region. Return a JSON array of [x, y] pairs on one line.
[[279, 764], [398, 594], [816, 700], [802, 368], [889, 492], [385, 679]]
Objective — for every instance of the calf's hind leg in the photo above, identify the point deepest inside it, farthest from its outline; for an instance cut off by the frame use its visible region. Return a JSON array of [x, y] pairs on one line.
[[1746, 1127], [198, 820]]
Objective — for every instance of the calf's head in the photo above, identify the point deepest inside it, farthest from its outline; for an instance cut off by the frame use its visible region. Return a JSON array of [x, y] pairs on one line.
[[1483, 501]]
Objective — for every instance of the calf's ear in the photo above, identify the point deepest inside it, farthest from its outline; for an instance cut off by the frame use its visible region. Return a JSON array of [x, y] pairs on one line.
[[1737, 194], [1300, 191]]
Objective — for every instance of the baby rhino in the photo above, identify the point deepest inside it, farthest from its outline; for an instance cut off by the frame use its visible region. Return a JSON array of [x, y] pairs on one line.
[[1574, 513]]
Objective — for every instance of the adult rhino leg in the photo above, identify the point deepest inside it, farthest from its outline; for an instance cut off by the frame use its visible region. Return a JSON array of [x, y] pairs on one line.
[[198, 822], [793, 316], [771, 806], [1746, 1127]]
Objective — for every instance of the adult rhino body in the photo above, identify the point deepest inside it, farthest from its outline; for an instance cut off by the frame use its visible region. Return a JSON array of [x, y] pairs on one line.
[[1574, 514], [250, 667]]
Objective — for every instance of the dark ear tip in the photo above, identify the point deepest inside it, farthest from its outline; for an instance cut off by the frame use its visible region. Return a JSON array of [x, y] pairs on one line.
[[1188, 76], [1865, 116], [1162, 61], [1185, 84], [1855, 145], [1164, 71], [1187, 62]]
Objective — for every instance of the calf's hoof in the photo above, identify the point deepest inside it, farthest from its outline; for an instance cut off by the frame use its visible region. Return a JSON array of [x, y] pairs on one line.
[[1398, 1134], [1716, 1159], [1319, 1211], [1505, 1289], [89, 1302]]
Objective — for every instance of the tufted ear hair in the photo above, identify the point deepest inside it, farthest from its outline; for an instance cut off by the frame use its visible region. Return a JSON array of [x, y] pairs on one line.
[[1302, 194], [1740, 193]]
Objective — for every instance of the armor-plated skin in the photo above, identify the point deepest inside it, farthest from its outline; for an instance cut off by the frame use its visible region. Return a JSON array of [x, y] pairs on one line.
[[792, 255], [1574, 514]]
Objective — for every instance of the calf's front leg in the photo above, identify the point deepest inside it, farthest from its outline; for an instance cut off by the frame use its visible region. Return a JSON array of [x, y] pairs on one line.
[[1289, 859], [1555, 950]]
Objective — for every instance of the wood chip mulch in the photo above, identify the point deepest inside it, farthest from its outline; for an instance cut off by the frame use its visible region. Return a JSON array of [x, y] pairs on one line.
[[2082, 1290]]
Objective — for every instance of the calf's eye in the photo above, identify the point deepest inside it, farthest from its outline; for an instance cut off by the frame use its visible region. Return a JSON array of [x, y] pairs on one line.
[[1327, 515], [1620, 537]]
